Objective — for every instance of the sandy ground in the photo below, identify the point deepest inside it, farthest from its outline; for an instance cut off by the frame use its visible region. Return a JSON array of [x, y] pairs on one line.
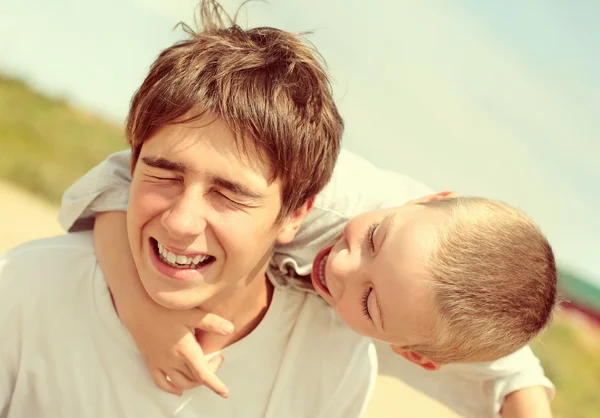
[[24, 217]]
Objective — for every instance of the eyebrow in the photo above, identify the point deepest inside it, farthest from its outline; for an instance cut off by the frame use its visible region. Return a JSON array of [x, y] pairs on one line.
[[164, 164]]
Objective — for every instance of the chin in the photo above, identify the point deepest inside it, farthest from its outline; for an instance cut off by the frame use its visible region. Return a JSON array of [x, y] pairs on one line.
[[174, 300], [169, 298]]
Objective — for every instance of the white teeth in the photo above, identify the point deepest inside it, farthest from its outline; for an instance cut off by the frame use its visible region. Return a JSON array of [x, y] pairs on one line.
[[179, 260], [322, 271]]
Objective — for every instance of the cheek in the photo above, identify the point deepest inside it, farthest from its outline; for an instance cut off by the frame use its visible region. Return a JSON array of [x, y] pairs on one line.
[[352, 230], [147, 202], [244, 237], [350, 313]]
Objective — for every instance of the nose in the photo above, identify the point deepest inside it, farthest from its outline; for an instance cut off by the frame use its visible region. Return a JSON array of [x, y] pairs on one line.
[[187, 216], [346, 264], [344, 269]]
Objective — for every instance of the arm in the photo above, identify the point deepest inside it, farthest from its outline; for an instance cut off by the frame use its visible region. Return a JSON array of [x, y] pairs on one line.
[[472, 390], [104, 188], [164, 337], [520, 386], [527, 403]]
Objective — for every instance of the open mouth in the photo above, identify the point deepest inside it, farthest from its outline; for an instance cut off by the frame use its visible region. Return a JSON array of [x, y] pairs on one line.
[[318, 271], [179, 261]]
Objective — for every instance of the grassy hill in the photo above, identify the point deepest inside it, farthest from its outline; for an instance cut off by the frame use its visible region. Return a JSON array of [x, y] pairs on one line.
[[570, 353], [45, 145]]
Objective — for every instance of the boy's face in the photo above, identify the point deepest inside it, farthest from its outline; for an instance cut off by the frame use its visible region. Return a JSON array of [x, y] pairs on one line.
[[202, 217], [375, 274]]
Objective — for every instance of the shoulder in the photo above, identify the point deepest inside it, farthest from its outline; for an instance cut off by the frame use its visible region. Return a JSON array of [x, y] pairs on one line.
[[50, 251], [37, 266], [346, 361], [334, 338], [315, 316]]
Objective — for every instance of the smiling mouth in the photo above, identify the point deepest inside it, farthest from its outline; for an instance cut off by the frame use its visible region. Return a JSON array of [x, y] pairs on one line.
[[321, 271], [180, 261], [318, 271]]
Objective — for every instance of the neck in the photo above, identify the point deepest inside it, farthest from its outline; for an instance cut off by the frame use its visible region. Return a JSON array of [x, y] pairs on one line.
[[245, 306]]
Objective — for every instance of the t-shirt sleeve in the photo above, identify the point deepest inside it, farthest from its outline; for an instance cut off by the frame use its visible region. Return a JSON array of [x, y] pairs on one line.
[[104, 188], [353, 393], [518, 371], [472, 390], [499, 378]]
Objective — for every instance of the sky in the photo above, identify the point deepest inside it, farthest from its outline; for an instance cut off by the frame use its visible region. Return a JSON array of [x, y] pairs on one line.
[[498, 99]]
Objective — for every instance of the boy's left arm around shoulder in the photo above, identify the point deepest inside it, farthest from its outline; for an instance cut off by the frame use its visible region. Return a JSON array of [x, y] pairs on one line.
[[531, 402], [521, 386], [506, 386]]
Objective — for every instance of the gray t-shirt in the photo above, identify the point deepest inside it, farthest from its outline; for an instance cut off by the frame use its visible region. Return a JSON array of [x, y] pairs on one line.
[[357, 186]]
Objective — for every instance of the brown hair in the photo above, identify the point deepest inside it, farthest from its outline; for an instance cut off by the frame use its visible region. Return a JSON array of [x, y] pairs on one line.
[[494, 278], [267, 85]]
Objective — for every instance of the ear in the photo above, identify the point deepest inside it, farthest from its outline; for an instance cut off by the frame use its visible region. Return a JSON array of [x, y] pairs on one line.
[[437, 196], [292, 223], [417, 358]]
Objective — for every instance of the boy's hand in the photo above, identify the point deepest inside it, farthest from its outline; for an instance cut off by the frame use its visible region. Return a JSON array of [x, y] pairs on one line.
[[169, 347]]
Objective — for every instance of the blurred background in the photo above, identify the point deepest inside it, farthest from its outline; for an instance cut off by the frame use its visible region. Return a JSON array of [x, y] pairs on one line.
[[499, 99]]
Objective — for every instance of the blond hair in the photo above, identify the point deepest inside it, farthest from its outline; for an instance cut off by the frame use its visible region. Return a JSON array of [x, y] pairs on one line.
[[494, 281], [267, 85]]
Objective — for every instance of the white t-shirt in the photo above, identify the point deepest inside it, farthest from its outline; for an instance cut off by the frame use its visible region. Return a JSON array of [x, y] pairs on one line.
[[64, 352], [357, 186]]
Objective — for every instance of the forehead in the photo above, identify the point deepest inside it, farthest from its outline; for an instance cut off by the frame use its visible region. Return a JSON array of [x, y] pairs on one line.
[[401, 275]]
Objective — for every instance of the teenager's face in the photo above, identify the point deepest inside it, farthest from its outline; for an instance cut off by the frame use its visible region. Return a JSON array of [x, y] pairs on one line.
[[374, 276], [202, 217]]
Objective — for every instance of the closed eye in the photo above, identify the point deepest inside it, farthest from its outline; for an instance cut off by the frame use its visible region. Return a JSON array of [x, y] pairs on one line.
[[371, 235], [365, 302], [164, 178], [160, 174], [230, 200]]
